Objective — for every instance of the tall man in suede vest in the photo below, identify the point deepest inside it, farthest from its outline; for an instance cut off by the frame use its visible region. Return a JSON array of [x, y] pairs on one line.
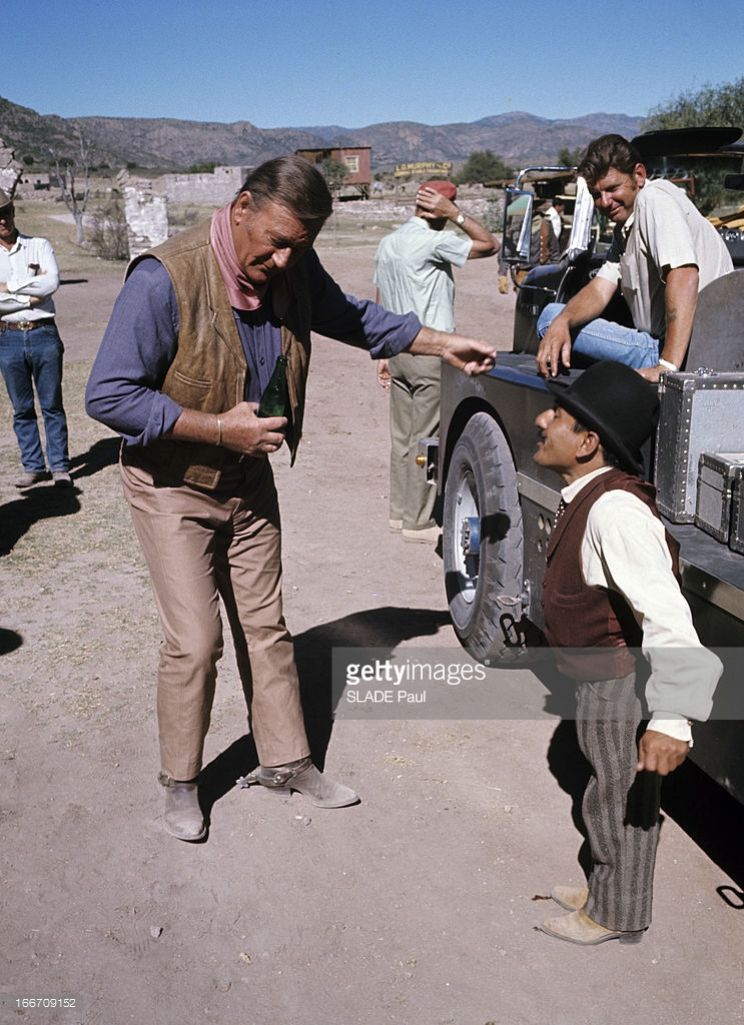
[[191, 345], [609, 590]]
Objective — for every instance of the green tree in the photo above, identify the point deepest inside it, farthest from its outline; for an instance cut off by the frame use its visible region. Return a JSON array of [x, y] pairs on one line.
[[570, 157], [334, 172], [711, 105], [484, 166], [721, 105]]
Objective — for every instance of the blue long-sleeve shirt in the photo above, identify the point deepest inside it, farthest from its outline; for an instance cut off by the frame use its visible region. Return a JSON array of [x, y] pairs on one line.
[[142, 336]]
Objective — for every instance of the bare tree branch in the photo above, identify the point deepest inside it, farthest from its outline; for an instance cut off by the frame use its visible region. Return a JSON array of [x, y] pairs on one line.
[[71, 175]]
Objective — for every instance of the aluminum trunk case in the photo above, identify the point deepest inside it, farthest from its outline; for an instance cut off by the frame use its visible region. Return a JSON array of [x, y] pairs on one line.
[[700, 412], [717, 476], [736, 536]]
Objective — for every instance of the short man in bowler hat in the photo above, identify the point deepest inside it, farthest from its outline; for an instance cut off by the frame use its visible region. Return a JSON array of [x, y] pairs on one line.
[[610, 587]]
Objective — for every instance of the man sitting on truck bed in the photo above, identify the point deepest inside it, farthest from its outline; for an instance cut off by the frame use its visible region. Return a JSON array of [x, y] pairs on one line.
[[663, 253]]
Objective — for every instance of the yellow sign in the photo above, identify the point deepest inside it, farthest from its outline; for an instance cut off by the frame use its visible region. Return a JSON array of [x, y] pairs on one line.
[[423, 169]]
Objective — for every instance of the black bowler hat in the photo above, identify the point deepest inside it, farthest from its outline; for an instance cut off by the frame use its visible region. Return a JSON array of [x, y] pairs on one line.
[[616, 402]]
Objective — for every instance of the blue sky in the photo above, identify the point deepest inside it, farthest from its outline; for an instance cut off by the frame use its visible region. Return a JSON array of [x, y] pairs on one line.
[[281, 63]]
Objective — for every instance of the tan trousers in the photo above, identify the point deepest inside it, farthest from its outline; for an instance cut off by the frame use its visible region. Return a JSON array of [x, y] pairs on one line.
[[200, 546], [414, 414]]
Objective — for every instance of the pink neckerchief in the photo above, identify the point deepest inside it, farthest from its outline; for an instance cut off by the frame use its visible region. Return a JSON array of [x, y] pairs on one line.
[[242, 294]]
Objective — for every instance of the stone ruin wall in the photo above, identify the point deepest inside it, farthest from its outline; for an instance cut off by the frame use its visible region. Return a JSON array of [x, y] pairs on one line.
[[146, 200], [145, 211], [216, 189], [10, 169]]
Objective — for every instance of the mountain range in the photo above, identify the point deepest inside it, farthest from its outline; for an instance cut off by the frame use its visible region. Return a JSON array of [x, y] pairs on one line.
[[169, 144]]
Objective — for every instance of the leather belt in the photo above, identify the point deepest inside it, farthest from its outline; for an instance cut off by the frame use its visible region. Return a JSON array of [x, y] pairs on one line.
[[25, 325]]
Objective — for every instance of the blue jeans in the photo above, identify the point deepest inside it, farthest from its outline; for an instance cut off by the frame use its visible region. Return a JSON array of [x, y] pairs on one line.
[[603, 339], [28, 359]]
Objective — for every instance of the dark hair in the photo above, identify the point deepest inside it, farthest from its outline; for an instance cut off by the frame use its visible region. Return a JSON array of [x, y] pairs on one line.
[[295, 183], [605, 152], [609, 458]]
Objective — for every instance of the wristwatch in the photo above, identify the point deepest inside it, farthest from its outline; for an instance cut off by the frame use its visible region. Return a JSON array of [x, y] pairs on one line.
[[460, 219]]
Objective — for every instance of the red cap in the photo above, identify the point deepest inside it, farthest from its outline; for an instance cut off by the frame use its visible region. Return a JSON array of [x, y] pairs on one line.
[[448, 189]]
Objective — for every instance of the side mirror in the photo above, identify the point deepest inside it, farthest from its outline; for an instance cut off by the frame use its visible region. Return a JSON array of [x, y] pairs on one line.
[[733, 181], [517, 221]]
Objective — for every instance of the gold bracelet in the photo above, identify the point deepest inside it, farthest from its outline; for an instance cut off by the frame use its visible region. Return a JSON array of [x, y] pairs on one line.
[[219, 432]]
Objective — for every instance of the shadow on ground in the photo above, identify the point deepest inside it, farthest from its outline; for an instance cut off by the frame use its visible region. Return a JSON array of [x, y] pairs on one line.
[[44, 500], [712, 818], [9, 640], [101, 454], [37, 503], [383, 628]]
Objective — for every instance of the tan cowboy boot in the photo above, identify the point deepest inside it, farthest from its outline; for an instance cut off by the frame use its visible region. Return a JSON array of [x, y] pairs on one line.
[[570, 897], [579, 928]]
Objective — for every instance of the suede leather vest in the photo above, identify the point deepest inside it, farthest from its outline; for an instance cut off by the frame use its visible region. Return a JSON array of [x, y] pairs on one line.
[[591, 628], [209, 371]]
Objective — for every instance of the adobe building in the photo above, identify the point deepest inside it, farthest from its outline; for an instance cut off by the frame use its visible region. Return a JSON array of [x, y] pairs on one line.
[[358, 160]]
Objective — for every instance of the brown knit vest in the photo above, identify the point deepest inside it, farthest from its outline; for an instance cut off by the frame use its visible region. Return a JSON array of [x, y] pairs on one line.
[[591, 628], [209, 371]]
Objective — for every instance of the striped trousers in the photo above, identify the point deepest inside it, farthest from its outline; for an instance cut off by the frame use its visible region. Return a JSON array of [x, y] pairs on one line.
[[620, 808]]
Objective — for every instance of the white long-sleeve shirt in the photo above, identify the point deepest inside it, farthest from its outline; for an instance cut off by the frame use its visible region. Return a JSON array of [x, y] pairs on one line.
[[624, 549], [27, 269]]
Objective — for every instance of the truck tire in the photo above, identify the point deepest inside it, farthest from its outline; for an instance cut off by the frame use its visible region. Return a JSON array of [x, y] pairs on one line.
[[483, 543]]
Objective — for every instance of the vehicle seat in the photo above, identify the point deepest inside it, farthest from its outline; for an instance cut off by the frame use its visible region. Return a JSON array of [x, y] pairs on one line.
[[717, 340]]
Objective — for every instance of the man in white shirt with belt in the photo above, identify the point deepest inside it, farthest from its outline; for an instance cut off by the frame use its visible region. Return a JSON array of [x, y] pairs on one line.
[[663, 253], [31, 349], [610, 592]]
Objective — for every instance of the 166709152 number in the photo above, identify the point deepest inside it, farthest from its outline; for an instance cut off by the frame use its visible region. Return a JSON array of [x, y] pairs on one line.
[[22, 1002]]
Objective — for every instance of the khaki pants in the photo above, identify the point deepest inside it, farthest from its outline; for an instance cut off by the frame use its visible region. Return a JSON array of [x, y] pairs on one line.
[[200, 546], [414, 414]]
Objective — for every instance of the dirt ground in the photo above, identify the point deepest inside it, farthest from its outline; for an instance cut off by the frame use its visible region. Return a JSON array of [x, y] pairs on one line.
[[418, 906]]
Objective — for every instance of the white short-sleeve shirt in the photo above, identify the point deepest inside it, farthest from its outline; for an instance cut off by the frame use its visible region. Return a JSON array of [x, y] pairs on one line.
[[664, 231], [413, 272]]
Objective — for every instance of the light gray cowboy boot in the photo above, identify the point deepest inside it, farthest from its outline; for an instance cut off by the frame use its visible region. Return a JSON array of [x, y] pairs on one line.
[[303, 777], [183, 816]]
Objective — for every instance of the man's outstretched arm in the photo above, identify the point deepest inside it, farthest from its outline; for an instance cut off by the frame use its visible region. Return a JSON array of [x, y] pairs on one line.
[[470, 355]]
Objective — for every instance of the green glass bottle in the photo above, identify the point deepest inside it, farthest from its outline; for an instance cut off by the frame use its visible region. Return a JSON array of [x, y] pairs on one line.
[[275, 399]]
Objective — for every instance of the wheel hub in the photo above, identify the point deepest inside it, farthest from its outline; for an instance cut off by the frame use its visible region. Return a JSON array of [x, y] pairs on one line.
[[470, 535], [466, 538]]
